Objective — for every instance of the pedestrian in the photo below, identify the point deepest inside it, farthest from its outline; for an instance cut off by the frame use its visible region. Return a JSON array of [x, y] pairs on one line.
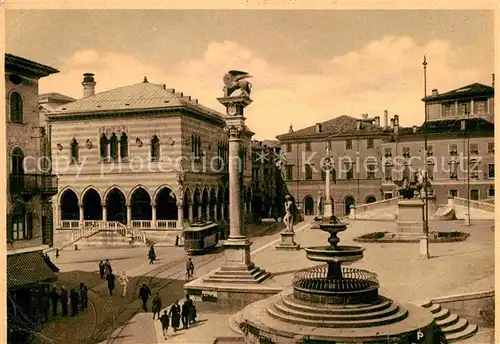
[[63, 296], [84, 300], [111, 282], [151, 255], [107, 267], [186, 311], [124, 281], [177, 241], [57, 253], [193, 314], [144, 293], [74, 299], [164, 323], [189, 268], [54, 297], [156, 305], [101, 269], [175, 315], [44, 303]]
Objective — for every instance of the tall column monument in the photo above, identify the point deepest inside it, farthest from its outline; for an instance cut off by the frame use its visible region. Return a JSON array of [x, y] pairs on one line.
[[238, 267]]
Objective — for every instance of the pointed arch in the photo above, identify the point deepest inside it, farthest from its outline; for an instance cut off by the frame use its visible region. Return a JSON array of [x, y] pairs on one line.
[[69, 204], [108, 190], [138, 186], [172, 189], [92, 203], [59, 198], [166, 204], [116, 205], [140, 204]]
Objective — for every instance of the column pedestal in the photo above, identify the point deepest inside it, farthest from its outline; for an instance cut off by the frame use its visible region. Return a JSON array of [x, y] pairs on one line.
[[287, 242]]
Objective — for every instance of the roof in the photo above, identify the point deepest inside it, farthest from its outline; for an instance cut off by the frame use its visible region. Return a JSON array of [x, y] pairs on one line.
[[472, 90], [265, 144], [340, 126], [141, 96], [22, 66], [27, 268], [55, 97]]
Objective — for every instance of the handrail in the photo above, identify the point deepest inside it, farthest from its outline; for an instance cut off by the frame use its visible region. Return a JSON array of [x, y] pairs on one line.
[[376, 205], [474, 204]]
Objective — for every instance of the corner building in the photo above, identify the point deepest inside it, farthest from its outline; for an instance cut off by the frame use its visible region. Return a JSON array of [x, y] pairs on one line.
[[118, 154]]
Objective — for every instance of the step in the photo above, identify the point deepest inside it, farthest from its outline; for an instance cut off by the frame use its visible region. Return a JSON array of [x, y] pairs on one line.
[[434, 308], [468, 332], [450, 320], [315, 315], [333, 323], [443, 313], [460, 325], [290, 302]]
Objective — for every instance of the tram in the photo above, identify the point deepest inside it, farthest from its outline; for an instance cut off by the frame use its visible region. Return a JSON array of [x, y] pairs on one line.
[[200, 236]]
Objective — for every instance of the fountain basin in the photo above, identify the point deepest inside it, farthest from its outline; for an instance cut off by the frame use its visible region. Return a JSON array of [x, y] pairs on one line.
[[328, 254]]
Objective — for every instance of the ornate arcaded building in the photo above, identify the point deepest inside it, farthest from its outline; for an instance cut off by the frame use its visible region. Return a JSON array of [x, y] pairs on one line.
[[141, 156]]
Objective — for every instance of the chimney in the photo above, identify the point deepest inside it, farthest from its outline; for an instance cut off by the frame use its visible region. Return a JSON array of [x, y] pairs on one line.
[[318, 128], [291, 129], [435, 92], [88, 85], [377, 121], [386, 119], [392, 123], [364, 116], [358, 125], [414, 129]]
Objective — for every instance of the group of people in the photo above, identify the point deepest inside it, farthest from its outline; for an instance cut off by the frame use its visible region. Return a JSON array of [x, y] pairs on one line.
[[77, 298], [106, 272], [177, 314]]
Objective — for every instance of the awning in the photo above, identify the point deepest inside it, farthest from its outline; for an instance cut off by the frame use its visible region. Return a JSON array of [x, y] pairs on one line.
[[27, 269]]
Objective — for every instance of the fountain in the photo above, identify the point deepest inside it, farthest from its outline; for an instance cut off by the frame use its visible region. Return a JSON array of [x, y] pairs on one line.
[[331, 304]]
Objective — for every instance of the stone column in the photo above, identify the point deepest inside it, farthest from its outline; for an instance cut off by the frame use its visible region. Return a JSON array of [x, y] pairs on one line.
[[129, 214], [81, 218], [153, 215], [208, 212], [215, 212], [238, 266], [327, 210], [222, 211], [199, 212], [180, 215], [104, 212], [190, 211]]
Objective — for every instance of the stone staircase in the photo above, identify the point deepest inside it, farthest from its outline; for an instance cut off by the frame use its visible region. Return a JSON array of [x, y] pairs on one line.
[[248, 275], [451, 327], [108, 238]]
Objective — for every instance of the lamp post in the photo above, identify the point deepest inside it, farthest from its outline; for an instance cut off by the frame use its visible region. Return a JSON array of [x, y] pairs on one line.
[[463, 127], [424, 242]]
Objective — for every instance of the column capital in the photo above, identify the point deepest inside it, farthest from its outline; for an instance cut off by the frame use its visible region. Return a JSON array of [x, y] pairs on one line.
[[234, 130], [103, 205], [179, 204], [128, 204], [153, 204], [80, 204]]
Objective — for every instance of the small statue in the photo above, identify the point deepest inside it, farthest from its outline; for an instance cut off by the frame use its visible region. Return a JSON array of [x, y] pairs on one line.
[[234, 80], [327, 150], [288, 217]]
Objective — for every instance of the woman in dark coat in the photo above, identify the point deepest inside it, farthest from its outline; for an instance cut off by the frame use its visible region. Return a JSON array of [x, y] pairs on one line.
[[111, 282], [175, 315], [151, 254]]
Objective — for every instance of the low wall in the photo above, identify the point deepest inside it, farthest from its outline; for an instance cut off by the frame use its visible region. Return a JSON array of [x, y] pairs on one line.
[[473, 204], [356, 210], [477, 308]]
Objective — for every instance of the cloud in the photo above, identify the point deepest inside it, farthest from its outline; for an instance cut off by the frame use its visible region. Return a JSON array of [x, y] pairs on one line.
[[384, 74]]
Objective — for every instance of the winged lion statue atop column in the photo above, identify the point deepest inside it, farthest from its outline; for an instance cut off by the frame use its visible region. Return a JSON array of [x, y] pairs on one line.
[[235, 79]]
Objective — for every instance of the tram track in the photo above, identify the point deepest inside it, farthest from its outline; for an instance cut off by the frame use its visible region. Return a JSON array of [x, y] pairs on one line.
[[109, 323]]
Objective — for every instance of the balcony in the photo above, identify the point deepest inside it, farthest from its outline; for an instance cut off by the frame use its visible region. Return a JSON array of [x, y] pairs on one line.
[[30, 184]]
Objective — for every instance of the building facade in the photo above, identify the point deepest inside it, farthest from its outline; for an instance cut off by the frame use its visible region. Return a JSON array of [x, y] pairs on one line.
[[460, 128], [141, 156], [29, 190], [355, 149]]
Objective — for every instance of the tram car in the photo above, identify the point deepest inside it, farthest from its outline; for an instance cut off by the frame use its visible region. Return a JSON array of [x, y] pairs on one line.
[[200, 236]]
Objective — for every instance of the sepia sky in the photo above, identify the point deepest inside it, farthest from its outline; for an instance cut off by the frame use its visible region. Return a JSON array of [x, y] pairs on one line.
[[307, 66]]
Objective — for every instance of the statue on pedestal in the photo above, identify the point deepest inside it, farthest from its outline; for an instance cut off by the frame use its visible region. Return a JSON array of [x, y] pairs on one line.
[[288, 217], [234, 80]]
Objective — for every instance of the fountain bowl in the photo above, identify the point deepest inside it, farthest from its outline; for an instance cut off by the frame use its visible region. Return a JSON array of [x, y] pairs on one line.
[[339, 255]]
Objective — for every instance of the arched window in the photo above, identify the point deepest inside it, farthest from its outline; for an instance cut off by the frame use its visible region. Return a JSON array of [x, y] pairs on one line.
[[124, 146], [155, 148], [104, 147], [113, 147], [74, 151], [17, 161], [16, 107]]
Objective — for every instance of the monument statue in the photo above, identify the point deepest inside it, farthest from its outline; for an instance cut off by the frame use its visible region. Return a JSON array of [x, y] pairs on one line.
[[234, 80], [288, 217], [413, 188]]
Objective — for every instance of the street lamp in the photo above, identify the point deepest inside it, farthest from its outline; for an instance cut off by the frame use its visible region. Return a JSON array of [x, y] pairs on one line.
[[463, 127], [424, 243]]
